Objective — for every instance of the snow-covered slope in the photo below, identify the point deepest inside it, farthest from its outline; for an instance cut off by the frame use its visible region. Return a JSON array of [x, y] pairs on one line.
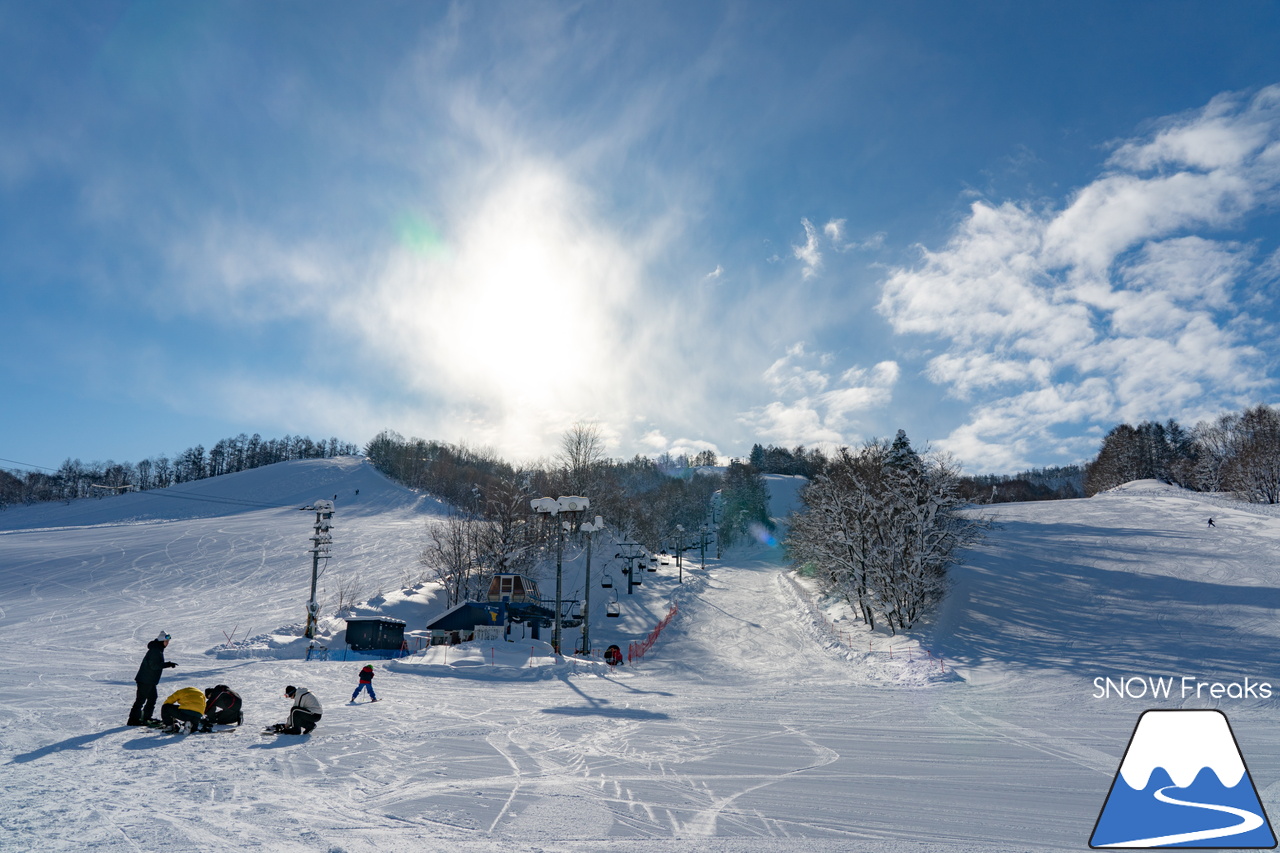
[[353, 484], [747, 728]]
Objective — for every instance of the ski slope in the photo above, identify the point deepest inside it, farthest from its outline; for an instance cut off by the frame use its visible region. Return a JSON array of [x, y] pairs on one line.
[[748, 728]]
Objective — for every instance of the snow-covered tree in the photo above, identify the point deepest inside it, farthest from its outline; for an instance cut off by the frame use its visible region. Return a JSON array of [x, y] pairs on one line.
[[880, 528], [1254, 467], [746, 502]]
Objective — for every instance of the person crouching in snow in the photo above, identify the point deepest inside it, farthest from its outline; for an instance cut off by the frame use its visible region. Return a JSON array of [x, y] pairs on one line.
[[366, 683], [183, 710], [303, 714], [222, 706]]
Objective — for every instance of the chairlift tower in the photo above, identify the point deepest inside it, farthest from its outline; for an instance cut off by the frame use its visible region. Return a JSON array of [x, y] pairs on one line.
[[630, 557], [320, 543]]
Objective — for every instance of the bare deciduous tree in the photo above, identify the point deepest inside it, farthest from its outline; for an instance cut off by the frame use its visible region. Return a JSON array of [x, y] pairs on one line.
[[451, 558], [582, 454]]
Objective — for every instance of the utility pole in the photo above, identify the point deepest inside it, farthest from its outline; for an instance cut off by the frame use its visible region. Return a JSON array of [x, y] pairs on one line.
[[320, 543]]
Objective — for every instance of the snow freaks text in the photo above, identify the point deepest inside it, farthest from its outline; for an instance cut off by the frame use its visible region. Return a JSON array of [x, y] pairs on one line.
[[1185, 687]]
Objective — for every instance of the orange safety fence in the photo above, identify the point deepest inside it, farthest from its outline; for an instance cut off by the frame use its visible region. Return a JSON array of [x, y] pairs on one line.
[[635, 651]]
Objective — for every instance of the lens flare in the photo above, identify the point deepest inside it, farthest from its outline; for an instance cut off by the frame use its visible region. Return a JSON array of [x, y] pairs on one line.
[[763, 536], [420, 237]]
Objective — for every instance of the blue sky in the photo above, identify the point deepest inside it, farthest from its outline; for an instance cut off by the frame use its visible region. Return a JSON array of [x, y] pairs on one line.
[[1003, 227]]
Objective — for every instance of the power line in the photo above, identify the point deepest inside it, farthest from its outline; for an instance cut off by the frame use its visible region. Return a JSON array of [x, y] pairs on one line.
[[26, 464], [164, 493]]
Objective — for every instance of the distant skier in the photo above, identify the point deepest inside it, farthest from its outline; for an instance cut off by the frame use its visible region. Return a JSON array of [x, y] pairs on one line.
[[366, 683], [613, 656], [1211, 524], [183, 710], [222, 706], [144, 702], [303, 714]]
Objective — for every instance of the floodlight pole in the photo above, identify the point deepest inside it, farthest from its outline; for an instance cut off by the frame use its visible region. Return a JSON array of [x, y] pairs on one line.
[[588, 528], [680, 550], [320, 543], [553, 507]]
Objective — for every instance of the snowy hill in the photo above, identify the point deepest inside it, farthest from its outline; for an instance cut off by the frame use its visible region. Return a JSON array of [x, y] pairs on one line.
[[352, 483], [752, 725]]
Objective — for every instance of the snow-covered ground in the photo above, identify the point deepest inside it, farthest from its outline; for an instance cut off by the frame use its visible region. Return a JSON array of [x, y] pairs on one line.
[[753, 724]]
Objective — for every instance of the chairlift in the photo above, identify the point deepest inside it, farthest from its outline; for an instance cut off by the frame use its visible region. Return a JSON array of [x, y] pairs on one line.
[[575, 610], [606, 581], [653, 564], [613, 610]]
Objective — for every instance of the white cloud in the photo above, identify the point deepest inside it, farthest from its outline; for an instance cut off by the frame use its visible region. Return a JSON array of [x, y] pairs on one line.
[[1106, 309], [814, 408], [789, 374], [788, 424], [835, 232], [655, 441], [808, 254]]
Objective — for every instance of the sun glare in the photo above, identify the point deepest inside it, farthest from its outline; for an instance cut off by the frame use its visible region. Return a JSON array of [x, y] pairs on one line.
[[514, 315]]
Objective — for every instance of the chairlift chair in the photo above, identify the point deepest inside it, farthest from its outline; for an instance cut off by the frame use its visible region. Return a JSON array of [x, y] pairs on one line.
[[612, 610], [606, 580]]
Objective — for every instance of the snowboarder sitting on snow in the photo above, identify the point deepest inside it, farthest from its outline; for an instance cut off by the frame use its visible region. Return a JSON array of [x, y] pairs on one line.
[[366, 683], [613, 656], [222, 705], [183, 710], [144, 702], [304, 713]]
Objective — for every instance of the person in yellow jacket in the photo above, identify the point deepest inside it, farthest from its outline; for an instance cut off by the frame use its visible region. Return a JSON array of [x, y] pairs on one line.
[[183, 710]]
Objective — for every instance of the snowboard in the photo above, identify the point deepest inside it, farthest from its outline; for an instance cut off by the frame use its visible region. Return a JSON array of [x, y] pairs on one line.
[[160, 727]]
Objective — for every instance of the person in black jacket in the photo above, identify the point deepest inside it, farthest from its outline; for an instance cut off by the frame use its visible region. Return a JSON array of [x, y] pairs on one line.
[[144, 703], [222, 706]]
